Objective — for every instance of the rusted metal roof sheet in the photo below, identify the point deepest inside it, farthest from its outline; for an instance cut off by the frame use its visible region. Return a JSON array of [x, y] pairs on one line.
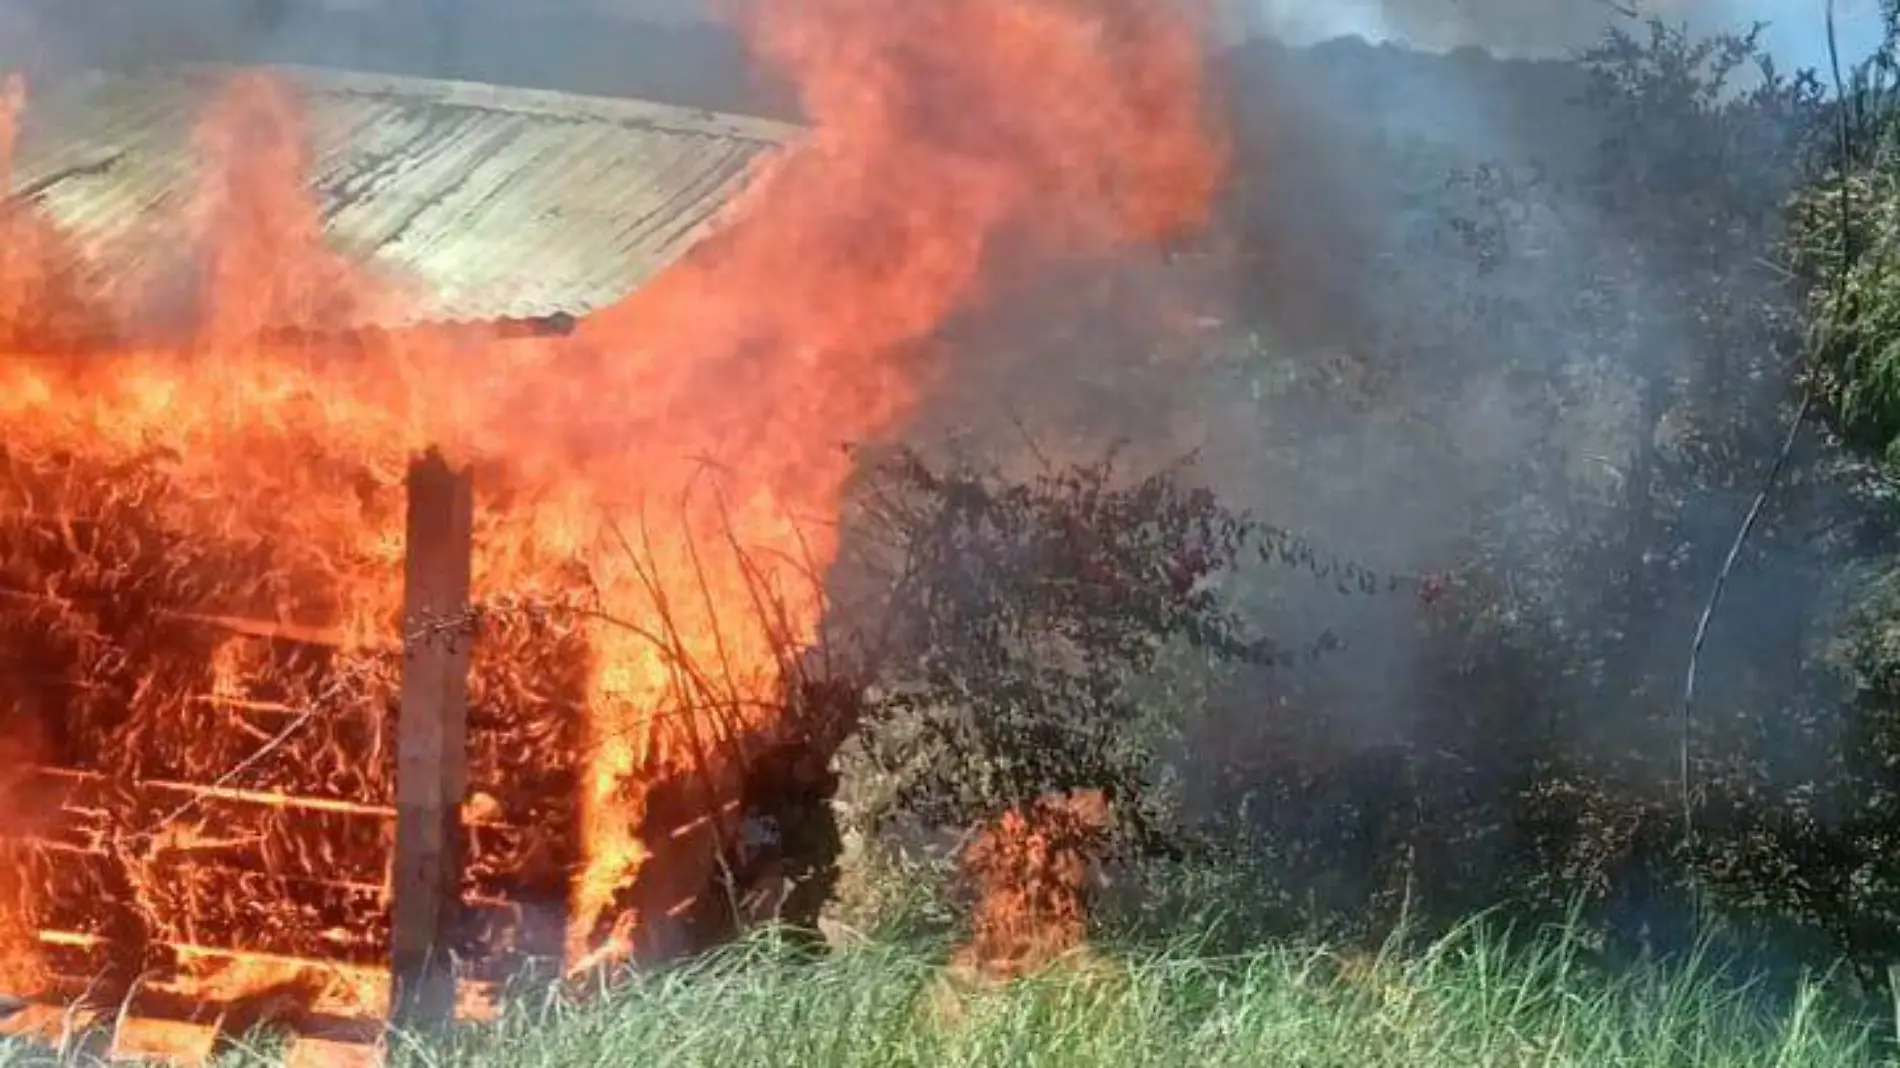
[[491, 202]]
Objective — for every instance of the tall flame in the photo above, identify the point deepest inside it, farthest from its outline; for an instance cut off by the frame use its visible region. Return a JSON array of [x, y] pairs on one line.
[[259, 232], [945, 135]]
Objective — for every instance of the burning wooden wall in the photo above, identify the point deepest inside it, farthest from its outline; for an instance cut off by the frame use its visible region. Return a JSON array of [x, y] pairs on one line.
[[205, 796], [199, 799]]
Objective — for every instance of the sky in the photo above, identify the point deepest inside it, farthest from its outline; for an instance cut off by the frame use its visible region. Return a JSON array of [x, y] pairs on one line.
[[1797, 28], [1796, 31]]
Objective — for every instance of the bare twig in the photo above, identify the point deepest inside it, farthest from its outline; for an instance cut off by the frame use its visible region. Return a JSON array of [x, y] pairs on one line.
[[1715, 597], [1842, 265], [702, 698]]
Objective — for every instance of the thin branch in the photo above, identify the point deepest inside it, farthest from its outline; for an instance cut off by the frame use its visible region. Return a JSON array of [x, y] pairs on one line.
[[1843, 264], [1715, 597]]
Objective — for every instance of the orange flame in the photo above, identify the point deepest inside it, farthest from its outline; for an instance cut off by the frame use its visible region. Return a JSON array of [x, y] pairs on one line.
[[21, 964], [939, 131], [1031, 871], [259, 232], [19, 958], [945, 137]]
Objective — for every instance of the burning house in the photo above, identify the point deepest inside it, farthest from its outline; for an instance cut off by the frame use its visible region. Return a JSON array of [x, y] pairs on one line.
[[200, 564]]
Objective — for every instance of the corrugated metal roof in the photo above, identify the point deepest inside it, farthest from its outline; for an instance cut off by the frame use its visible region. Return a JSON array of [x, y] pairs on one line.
[[495, 202]]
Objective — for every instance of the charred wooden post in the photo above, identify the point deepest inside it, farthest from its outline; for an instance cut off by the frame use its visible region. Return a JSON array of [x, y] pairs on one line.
[[432, 743]]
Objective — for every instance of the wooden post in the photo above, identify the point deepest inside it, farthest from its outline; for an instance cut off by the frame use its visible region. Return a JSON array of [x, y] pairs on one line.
[[432, 744]]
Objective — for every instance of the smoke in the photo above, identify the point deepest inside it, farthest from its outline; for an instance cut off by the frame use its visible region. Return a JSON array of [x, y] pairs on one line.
[[1510, 447]]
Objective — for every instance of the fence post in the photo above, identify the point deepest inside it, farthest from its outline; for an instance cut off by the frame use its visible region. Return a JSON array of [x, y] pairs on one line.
[[432, 744]]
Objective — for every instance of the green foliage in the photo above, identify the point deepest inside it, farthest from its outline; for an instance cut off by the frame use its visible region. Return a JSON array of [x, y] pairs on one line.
[[1845, 244]]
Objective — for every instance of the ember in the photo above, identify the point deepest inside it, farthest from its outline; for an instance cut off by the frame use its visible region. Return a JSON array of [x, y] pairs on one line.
[[201, 520]]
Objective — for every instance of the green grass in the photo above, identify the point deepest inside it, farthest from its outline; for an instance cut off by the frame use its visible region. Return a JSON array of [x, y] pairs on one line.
[[1465, 1002]]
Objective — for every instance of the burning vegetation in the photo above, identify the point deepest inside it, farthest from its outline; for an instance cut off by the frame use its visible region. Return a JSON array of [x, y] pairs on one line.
[[1032, 872], [201, 517]]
